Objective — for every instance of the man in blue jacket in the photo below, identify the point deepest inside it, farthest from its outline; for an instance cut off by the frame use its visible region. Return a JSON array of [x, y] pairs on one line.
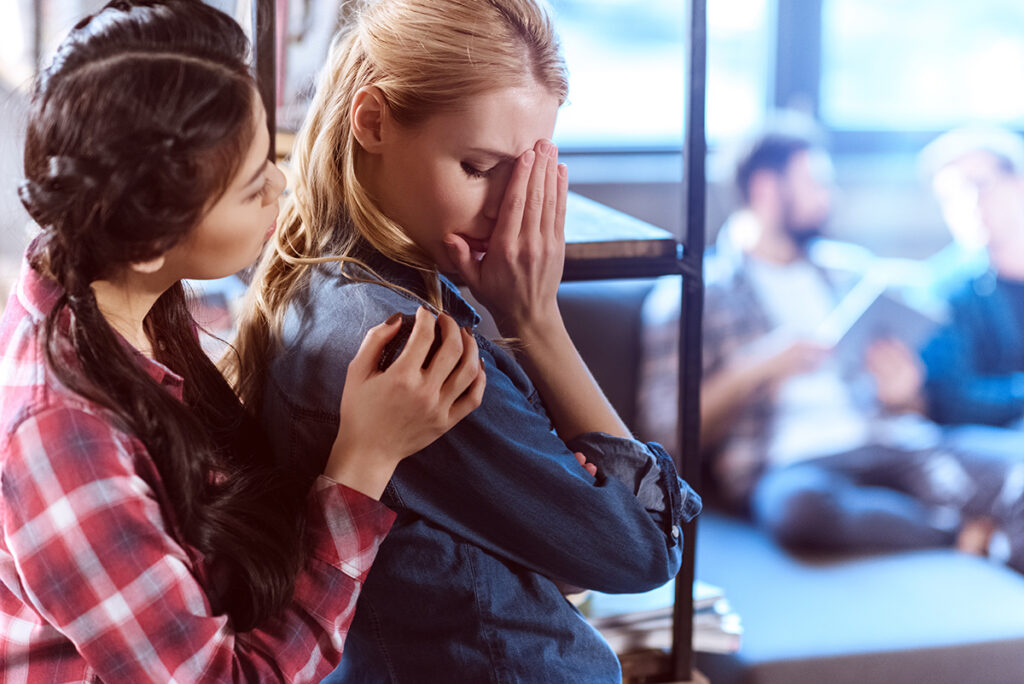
[[972, 371]]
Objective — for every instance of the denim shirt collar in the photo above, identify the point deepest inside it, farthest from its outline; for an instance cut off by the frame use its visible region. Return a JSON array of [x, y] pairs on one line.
[[410, 278]]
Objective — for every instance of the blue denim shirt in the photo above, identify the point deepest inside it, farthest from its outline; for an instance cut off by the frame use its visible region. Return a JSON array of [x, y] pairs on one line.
[[488, 515]]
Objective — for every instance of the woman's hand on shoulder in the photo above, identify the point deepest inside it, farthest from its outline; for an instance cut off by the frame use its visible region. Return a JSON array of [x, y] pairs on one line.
[[390, 414], [517, 279]]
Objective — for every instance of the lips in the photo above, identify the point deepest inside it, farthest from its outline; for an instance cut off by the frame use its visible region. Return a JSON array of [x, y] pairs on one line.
[[477, 247], [271, 230]]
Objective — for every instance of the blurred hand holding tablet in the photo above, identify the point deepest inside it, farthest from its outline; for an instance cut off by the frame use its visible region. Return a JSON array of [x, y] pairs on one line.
[[870, 312]]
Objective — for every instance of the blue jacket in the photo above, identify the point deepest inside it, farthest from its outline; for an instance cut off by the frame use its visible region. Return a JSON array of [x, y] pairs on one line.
[[973, 365], [488, 515]]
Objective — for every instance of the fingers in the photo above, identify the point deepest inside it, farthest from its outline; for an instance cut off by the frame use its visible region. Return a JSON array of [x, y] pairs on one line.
[[365, 361], [465, 372], [589, 467], [448, 353], [510, 214], [422, 336], [537, 191], [462, 258], [563, 191], [470, 399], [549, 209]]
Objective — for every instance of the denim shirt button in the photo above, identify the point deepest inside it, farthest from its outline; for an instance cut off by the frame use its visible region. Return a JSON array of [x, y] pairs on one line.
[[675, 531]]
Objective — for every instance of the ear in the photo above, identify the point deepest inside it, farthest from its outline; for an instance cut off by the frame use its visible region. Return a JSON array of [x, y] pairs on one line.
[[368, 111], [151, 266], [764, 188]]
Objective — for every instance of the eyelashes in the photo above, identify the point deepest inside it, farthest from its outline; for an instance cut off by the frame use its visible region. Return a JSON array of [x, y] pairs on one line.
[[262, 191], [474, 172]]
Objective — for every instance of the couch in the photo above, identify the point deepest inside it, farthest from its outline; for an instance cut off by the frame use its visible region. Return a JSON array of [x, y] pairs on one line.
[[922, 617]]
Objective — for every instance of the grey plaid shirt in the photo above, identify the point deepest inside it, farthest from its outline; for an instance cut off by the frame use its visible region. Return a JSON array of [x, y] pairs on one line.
[[734, 317]]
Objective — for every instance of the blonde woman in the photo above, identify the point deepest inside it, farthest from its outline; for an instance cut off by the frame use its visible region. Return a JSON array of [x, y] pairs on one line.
[[427, 151]]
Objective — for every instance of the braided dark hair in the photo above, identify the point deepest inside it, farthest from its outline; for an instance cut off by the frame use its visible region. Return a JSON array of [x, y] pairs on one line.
[[135, 130]]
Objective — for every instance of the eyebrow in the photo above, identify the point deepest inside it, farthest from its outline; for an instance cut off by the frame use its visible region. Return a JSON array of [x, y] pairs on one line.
[[500, 156], [256, 175]]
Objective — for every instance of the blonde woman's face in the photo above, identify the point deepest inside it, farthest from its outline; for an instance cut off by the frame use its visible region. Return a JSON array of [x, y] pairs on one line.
[[448, 175]]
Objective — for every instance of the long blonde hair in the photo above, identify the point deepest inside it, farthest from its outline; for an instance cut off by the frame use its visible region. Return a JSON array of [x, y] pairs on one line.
[[425, 57]]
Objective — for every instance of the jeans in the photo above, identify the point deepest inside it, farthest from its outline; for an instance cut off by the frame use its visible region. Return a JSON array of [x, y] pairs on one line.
[[881, 498]]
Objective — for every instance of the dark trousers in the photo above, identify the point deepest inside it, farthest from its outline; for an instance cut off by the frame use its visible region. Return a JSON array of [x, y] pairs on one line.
[[879, 497]]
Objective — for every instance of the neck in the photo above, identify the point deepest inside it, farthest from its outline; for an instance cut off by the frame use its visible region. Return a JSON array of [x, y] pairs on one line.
[[1008, 260], [125, 302], [770, 243]]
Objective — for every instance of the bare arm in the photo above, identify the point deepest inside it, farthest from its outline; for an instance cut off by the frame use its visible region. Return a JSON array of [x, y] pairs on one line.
[[518, 282], [746, 377]]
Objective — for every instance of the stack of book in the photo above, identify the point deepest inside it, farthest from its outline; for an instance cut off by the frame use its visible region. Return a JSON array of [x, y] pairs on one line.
[[632, 622]]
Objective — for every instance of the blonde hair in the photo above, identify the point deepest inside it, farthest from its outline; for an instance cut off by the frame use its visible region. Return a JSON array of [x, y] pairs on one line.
[[425, 57]]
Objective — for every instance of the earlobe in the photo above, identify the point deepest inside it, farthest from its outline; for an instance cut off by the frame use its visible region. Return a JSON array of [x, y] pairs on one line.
[[151, 266], [763, 187], [368, 111]]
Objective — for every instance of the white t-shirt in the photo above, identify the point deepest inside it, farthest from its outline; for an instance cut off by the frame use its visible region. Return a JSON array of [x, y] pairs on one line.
[[815, 414]]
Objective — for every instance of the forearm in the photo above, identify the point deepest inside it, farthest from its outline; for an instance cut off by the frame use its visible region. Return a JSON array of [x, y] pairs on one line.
[[362, 472], [722, 395], [573, 399], [989, 400]]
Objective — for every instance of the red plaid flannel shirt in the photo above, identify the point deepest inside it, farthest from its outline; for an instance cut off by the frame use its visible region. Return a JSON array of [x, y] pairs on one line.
[[95, 584]]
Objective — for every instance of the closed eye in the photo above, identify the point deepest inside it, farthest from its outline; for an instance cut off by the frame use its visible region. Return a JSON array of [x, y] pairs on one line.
[[261, 192], [474, 172]]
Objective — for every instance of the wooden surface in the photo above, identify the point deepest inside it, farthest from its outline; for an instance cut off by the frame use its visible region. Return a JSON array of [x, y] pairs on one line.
[[595, 231], [652, 666]]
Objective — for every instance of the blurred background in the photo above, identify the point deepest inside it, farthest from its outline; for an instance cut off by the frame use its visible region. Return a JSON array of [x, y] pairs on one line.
[[882, 78]]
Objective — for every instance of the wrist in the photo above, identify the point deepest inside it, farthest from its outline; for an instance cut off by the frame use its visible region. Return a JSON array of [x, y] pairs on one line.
[[533, 325], [364, 470]]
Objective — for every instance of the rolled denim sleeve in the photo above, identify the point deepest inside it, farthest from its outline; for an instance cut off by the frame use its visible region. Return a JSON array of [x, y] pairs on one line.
[[502, 479], [647, 470]]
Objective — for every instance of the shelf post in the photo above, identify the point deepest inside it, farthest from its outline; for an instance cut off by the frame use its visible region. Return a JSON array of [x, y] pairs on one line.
[[691, 311]]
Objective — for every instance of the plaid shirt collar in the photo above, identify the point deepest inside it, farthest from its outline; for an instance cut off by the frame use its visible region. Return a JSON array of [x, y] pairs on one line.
[[39, 294]]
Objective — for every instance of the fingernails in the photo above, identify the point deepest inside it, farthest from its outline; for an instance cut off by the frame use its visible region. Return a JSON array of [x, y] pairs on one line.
[[563, 171], [393, 318], [547, 148], [528, 157]]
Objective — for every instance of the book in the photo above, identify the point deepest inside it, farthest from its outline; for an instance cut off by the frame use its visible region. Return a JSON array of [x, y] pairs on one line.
[[872, 311], [632, 622], [714, 631]]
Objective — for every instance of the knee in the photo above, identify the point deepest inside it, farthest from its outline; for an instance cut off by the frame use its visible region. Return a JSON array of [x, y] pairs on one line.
[[802, 518]]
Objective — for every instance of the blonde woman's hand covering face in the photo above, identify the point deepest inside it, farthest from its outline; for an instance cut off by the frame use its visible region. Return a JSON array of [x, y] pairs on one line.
[[517, 278]]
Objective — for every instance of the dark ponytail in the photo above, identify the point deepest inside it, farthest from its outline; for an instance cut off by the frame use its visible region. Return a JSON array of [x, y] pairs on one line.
[[136, 128]]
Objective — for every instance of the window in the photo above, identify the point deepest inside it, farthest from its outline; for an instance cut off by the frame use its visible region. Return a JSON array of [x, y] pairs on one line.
[[740, 54], [921, 64], [626, 66]]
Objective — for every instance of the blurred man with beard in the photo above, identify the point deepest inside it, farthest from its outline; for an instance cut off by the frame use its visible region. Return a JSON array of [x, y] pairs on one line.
[[793, 438]]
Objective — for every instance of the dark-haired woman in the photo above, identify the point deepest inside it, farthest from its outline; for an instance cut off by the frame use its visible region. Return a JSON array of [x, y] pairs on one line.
[[147, 535]]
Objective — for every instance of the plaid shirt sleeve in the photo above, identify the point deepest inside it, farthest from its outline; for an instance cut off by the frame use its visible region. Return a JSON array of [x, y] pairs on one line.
[[96, 561]]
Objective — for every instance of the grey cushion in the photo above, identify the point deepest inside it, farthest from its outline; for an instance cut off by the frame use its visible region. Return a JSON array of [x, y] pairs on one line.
[[920, 617], [603, 318]]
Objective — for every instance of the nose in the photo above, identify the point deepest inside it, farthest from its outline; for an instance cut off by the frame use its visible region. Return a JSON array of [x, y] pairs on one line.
[[277, 181], [496, 192]]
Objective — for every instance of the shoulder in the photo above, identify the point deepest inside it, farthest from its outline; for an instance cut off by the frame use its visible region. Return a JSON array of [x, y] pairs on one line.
[[63, 449], [340, 308], [978, 294]]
